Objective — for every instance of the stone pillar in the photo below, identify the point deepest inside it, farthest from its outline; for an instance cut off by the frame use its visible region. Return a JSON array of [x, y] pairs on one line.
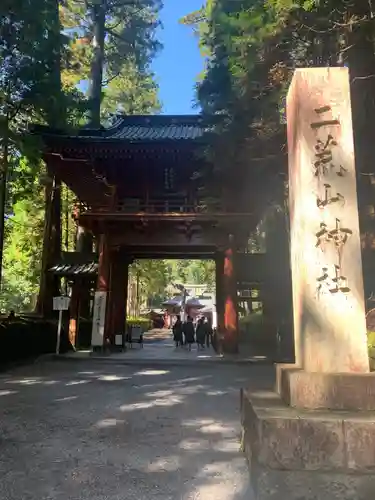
[[102, 301], [328, 301], [230, 300], [295, 452]]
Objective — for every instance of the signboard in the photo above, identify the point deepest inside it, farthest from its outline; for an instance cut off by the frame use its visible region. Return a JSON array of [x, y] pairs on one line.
[[61, 303], [98, 319]]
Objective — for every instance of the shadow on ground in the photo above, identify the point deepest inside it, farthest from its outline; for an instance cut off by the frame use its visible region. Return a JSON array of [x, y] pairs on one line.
[[92, 432]]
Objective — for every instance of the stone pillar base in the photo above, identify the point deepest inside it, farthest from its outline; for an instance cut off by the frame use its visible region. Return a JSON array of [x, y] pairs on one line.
[[311, 455], [335, 391], [302, 485]]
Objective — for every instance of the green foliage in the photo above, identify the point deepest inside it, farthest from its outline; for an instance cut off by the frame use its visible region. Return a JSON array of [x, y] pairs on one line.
[[153, 277], [144, 323], [371, 340], [130, 93], [30, 91], [183, 270], [202, 272], [68, 225], [130, 46], [253, 47], [22, 255], [194, 18], [28, 86], [23, 236], [194, 272]]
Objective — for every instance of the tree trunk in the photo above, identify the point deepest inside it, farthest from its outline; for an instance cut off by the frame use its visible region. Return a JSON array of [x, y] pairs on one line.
[[3, 194], [84, 244], [56, 117], [39, 308], [137, 297], [49, 284], [96, 79]]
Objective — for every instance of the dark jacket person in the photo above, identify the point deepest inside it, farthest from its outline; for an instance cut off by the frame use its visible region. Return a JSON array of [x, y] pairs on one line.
[[201, 333], [189, 332], [177, 331]]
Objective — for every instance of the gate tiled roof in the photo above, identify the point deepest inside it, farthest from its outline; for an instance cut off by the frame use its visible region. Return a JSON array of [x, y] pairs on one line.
[[75, 264], [142, 129], [156, 128], [71, 270]]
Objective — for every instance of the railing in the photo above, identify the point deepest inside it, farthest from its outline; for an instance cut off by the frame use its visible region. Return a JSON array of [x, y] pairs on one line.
[[137, 206], [159, 206]]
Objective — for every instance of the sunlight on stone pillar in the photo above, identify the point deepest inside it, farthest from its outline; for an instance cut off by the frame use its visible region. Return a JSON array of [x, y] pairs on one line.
[[328, 299]]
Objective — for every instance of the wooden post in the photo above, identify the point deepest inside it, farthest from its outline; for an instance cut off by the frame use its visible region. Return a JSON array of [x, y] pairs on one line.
[[119, 293], [219, 261], [74, 311], [84, 245], [231, 300], [104, 265], [102, 303]]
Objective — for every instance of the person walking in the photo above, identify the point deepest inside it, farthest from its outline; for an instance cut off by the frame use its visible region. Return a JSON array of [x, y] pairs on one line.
[[177, 331], [209, 332], [201, 333], [189, 332]]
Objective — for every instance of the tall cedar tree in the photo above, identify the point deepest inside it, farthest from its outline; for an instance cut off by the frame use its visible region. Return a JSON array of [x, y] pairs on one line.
[[115, 43]]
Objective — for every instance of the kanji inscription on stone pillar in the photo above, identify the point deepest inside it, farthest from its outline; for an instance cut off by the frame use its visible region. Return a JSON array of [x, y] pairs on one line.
[[328, 300]]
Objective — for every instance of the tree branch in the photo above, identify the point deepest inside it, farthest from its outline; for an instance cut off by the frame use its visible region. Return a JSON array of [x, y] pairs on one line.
[[109, 80]]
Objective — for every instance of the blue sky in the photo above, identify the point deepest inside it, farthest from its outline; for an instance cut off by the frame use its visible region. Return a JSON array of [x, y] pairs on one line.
[[179, 63]]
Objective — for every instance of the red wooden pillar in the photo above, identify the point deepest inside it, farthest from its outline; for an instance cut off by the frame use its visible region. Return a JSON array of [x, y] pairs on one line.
[[119, 293], [84, 245], [74, 311], [219, 261], [102, 302], [230, 300], [104, 265]]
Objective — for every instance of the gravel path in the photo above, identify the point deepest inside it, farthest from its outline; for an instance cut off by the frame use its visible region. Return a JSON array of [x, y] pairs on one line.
[[77, 431]]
